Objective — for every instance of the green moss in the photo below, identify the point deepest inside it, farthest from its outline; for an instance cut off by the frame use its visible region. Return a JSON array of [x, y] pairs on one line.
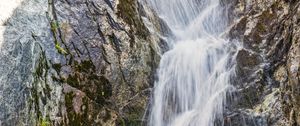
[[74, 118], [102, 91], [84, 78], [267, 16], [40, 74], [121, 122], [261, 28], [42, 66], [133, 120], [133, 117], [82, 118], [96, 88], [54, 25], [87, 65], [60, 49], [69, 100], [73, 81], [128, 12], [44, 122]]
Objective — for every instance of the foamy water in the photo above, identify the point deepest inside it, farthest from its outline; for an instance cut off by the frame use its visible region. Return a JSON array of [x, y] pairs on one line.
[[194, 75]]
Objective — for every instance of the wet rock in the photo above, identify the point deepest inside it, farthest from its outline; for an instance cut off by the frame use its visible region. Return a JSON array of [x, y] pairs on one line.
[[73, 62], [269, 29], [248, 59]]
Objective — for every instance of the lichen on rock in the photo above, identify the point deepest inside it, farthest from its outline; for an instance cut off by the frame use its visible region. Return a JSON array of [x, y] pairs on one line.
[[269, 29]]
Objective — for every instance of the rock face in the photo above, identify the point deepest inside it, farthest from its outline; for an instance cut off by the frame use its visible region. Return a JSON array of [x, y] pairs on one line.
[[268, 67], [75, 62], [93, 62]]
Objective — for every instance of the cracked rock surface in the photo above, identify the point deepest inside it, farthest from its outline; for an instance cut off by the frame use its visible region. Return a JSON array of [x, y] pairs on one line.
[[268, 66], [78, 62], [93, 62]]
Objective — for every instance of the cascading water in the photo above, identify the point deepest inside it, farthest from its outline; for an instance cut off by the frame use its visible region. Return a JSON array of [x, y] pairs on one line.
[[194, 75]]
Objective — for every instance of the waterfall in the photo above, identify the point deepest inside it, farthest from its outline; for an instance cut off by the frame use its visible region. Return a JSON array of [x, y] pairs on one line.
[[194, 75]]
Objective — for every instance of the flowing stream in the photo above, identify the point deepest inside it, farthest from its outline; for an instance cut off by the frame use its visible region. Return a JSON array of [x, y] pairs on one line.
[[194, 75]]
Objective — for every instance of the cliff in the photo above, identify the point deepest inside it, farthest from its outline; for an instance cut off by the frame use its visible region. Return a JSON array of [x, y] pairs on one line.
[[93, 62], [79, 62], [268, 66]]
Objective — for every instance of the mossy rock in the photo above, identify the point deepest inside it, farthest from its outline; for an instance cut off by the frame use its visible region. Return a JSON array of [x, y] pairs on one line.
[[127, 10]]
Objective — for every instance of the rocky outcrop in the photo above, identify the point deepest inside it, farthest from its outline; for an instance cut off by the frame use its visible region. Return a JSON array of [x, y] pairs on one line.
[[92, 62], [268, 67], [88, 62]]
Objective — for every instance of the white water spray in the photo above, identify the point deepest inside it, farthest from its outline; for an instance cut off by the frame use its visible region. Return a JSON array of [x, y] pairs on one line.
[[194, 75]]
